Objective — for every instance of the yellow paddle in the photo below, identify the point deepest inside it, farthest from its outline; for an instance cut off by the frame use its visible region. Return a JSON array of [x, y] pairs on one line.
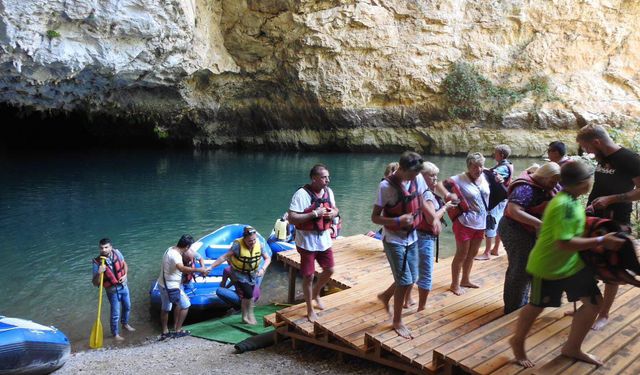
[[95, 341]]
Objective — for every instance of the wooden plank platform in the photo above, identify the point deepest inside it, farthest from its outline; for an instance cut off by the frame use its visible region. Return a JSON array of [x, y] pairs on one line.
[[487, 351], [467, 333]]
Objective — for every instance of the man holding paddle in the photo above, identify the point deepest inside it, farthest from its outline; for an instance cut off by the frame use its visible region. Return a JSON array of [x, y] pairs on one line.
[[111, 263]]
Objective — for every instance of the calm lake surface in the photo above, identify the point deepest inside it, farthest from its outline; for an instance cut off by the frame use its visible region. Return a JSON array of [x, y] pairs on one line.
[[54, 208]]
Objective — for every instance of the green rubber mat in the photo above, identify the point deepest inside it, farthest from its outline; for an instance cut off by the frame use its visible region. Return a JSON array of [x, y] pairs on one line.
[[231, 329]]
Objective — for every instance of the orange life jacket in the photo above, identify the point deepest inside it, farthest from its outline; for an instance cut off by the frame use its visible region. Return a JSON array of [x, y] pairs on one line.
[[433, 229], [114, 272], [538, 210], [319, 224], [409, 202]]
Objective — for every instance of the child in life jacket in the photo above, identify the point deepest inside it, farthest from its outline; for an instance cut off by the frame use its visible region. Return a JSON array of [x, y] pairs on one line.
[[556, 267]]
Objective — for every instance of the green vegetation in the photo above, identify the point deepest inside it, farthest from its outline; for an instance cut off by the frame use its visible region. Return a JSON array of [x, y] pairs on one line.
[[161, 133], [470, 95], [53, 34]]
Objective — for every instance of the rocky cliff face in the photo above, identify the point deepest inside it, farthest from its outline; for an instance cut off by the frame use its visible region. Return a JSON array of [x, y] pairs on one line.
[[323, 74]]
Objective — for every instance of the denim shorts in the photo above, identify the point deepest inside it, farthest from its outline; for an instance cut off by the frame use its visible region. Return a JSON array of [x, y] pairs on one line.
[[167, 305], [426, 256], [403, 261]]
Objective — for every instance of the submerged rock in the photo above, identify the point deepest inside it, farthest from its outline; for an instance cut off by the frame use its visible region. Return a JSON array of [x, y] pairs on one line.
[[350, 75]]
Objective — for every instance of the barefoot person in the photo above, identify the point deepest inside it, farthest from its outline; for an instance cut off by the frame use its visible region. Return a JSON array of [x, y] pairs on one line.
[[529, 194], [428, 231], [469, 227], [312, 210], [114, 281], [617, 180], [504, 169], [397, 208], [556, 267], [244, 256]]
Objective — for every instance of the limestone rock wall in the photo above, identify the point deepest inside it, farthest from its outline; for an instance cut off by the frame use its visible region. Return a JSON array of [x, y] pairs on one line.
[[324, 74]]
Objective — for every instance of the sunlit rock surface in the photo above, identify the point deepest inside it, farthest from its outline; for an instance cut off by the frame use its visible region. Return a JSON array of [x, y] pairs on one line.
[[313, 74]]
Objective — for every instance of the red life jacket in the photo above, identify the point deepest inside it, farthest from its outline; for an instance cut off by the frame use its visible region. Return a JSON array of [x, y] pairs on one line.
[[187, 261], [611, 266], [463, 206], [409, 202], [114, 273], [432, 229], [318, 224], [525, 179]]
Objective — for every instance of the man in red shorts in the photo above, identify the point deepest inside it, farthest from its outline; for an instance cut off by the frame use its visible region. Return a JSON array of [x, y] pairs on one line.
[[312, 210]]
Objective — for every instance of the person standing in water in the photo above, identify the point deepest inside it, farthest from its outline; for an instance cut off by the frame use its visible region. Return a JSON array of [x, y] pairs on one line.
[[115, 271]]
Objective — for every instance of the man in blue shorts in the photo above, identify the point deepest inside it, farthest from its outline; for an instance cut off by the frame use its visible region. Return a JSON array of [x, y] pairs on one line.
[[397, 207]]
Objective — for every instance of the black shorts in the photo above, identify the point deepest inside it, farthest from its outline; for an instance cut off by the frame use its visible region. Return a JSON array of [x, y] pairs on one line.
[[548, 293], [244, 290]]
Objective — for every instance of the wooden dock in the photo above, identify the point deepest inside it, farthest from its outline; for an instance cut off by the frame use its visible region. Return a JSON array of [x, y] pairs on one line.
[[467, 333]]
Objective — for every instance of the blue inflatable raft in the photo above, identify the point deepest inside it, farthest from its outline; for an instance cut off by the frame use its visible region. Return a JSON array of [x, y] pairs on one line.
[[30, 348], [203, 291]]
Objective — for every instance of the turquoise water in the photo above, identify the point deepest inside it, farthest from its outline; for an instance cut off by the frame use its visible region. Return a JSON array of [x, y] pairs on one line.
[[54, 208]]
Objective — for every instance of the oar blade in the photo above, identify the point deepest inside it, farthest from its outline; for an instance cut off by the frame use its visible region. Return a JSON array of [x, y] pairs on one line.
[[95, 341]]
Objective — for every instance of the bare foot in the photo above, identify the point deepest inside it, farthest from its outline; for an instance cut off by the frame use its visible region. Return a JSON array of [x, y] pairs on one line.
[[410, 302], [569, 313], [385, 302], [483, 256], [519, 353], [582, 356], [319, 303], [457, 290], [495, 253], [469, 284], [600, 323], [251, 320], [402, 330], [312, 316]]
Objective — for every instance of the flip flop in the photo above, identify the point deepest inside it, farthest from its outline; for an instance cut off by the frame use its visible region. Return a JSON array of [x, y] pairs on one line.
[[165, 336]]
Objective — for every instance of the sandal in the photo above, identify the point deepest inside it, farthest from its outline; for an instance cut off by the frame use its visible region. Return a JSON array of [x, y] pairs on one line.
[[165, 336], [182, 333]]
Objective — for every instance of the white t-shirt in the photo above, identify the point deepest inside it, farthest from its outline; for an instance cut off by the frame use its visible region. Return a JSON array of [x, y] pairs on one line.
[[310, 240], [171, 273], [428, 196], [476, 217], [387, 194]]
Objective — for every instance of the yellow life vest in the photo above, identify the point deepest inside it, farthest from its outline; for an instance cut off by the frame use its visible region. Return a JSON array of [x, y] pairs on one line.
[[280, 229], [247, 260]]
